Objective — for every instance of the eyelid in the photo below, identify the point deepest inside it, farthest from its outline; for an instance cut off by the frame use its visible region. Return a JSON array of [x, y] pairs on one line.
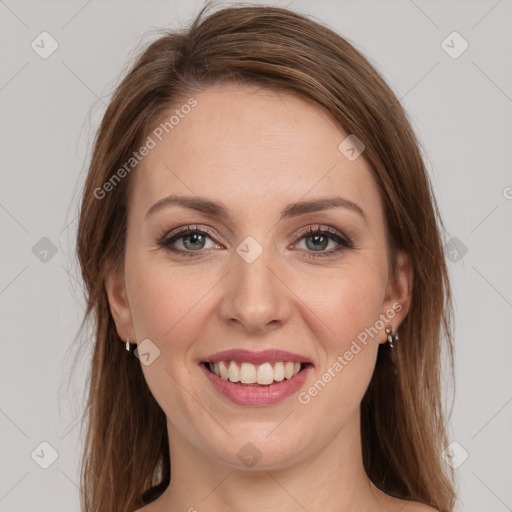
[[315, 228], [166, 235], [344, 242]]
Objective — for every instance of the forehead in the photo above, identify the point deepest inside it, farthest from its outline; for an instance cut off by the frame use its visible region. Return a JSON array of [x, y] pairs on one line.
[[250, 148]]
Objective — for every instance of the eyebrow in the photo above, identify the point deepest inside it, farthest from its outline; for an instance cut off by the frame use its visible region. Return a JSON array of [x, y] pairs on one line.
[[216, 209]]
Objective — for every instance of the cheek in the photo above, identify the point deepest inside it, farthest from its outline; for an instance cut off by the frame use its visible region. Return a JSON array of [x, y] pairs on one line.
[[164, 299], [347, 308], [347, 302], [350, 343], [168, 309]]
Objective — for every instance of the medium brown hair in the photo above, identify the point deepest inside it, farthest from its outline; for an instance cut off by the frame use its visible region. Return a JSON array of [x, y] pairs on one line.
[[403, 424]]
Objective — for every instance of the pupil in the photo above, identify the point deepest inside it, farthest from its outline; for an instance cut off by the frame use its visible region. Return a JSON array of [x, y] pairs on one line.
[[196, 238], [319, 239]]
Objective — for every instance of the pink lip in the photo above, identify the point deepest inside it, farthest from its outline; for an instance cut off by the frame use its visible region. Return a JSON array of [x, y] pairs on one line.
[[257, 395], [266, 356]]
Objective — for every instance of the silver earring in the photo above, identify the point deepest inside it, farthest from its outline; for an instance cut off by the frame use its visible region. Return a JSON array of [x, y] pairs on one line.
[[392, 338], [128, 347]]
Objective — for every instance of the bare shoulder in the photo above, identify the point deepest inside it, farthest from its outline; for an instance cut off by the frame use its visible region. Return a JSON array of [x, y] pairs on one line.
[[150, 507], [153, 506], [415, 506], [393, 504]]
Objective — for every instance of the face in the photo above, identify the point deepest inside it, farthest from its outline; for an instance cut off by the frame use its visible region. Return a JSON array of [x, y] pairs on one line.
[[265, 275]]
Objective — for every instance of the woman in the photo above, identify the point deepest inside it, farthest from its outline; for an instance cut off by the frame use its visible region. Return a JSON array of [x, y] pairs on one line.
[[257, 225]]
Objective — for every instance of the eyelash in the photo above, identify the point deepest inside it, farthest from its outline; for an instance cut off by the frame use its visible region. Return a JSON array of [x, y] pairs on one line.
[[166, 239]]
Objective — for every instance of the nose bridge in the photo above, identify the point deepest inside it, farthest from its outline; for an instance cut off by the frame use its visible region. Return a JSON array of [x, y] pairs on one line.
[[255, 296]]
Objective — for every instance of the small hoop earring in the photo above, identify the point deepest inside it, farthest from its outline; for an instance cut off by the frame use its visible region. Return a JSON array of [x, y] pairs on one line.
[[392, 338], [128, 345]]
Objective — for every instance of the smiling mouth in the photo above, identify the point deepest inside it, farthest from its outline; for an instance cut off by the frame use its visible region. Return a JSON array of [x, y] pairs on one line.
[[250, 375]]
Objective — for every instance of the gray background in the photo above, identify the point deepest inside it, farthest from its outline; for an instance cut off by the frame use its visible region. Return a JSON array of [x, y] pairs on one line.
[[460, 107]]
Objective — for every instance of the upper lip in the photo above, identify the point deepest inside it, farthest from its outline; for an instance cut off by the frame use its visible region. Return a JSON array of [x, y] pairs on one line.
[[265, 356]]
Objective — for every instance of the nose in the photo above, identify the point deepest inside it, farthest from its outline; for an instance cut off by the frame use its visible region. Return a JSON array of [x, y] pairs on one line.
[[255, 298]]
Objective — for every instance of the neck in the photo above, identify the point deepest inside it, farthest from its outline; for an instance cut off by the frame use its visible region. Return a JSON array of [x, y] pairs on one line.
[[333, 478]]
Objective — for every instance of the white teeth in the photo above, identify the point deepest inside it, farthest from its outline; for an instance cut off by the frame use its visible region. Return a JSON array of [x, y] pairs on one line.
[[288, 370], [279, 372], [265, 374], [233, 372], [223, 370], [248, 373]]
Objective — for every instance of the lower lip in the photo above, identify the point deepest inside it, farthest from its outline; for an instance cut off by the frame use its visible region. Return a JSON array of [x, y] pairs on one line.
[[257, 395]]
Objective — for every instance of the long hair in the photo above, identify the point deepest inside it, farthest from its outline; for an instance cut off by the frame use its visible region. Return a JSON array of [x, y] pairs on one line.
[[403, 423]]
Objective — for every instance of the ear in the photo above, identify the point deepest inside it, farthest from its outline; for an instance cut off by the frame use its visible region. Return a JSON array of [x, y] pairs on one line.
[[399, 291], [119, 306]]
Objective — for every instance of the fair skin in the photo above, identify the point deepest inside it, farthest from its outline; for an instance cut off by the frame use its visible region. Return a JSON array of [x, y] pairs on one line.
[[257, 151]]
